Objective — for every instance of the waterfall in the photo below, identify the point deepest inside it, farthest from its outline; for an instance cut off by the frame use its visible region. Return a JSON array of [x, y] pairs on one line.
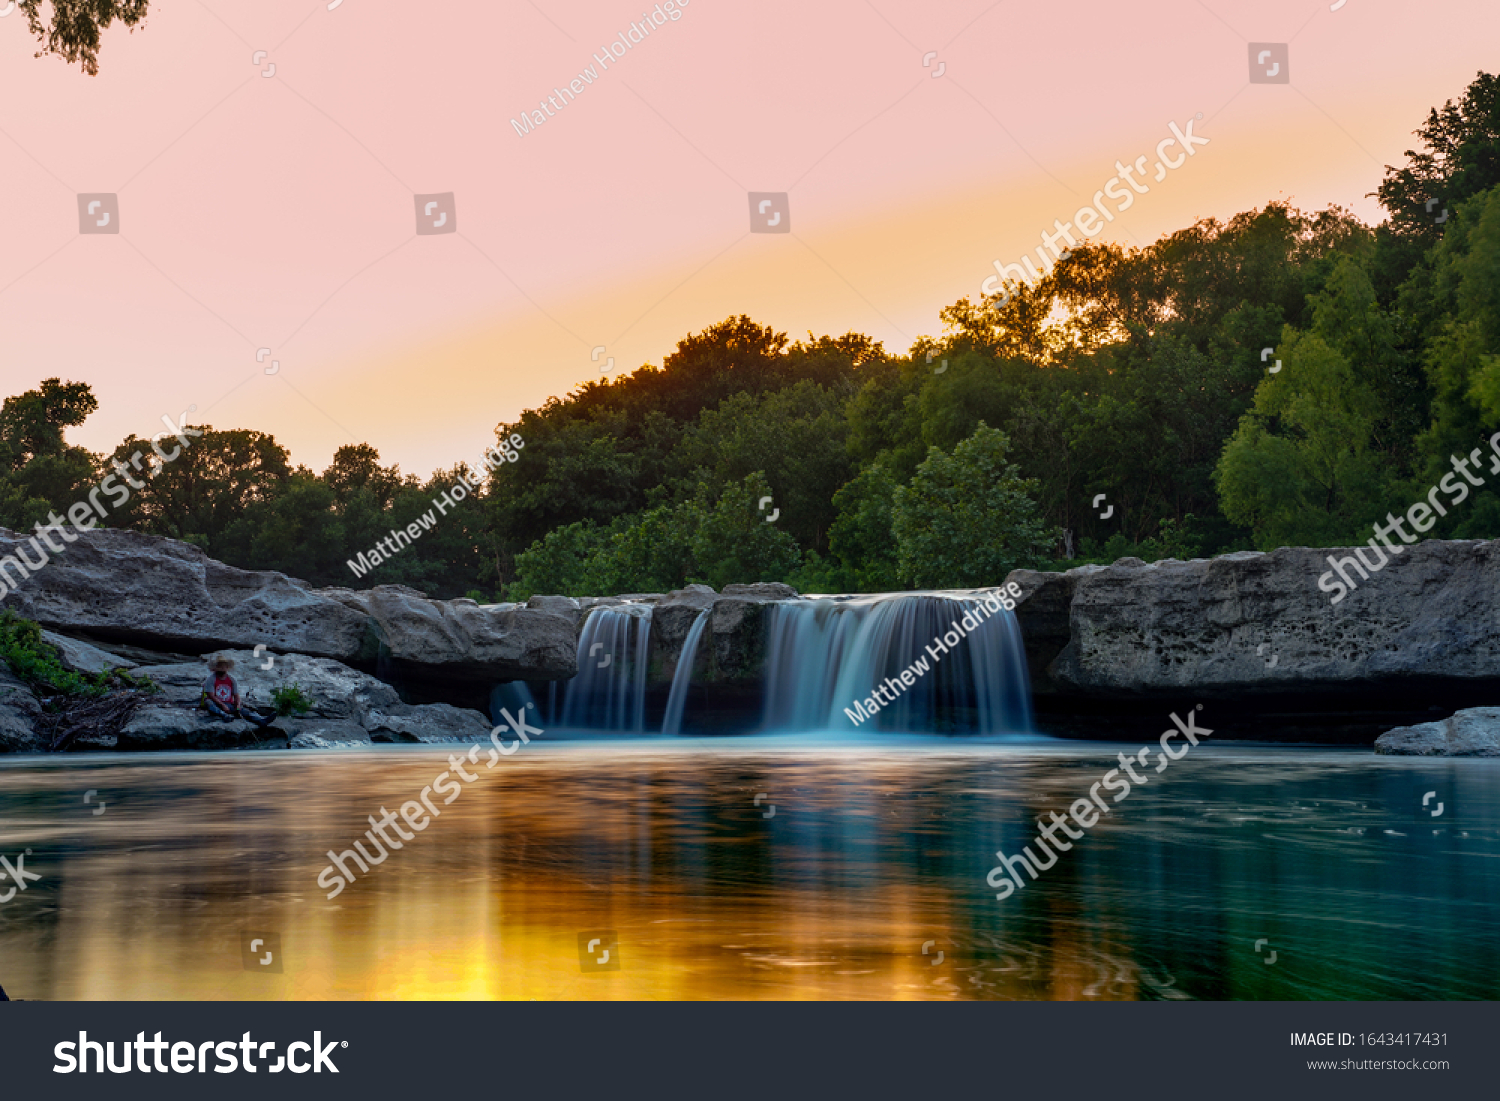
[[609, 692], [672, 722], [823, 655]]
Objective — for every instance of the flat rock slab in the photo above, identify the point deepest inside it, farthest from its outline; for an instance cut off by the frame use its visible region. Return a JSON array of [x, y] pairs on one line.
[[429, 722], [162, 727], [336, 691], [1474, 732], [349, 708], [463, 639], [1253, 620], [123, 587], [83, 657], [120, 584]]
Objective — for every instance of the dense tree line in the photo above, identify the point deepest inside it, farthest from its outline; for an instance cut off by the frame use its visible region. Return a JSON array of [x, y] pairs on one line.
[[1138, 374]]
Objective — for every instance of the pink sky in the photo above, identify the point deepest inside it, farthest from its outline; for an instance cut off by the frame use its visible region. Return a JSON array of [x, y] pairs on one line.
[[277, 211]]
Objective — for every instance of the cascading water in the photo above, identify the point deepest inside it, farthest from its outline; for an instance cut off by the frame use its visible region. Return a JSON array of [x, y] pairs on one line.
[[672, 722], [609, 692], [823, 655]]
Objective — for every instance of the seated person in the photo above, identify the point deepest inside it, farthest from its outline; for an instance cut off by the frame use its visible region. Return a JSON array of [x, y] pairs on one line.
[[221, 696]]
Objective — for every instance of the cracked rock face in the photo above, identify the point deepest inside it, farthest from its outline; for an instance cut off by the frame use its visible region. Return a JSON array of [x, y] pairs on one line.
[[125, 586], [1253, 620], [462, 639], [120, 586]]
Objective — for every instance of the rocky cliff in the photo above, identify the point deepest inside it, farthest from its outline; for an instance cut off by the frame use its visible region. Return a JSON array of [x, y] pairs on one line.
[[1420, 635], [1108, 647], [117, 586]]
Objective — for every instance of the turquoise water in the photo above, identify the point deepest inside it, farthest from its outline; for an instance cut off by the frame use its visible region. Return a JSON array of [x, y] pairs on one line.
[[877, 848]]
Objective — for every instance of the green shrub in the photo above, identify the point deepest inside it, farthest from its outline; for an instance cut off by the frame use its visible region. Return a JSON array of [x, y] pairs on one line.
[[291, 700], [36, 663]]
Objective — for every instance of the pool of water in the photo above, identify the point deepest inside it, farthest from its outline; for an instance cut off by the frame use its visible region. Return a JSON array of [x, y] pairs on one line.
[[749, 868]]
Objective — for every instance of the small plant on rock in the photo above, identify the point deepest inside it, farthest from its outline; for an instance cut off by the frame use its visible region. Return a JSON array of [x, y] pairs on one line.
[[291, 700]]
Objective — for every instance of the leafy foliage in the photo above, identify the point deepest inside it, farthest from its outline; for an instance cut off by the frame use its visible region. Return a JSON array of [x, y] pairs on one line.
[[74, 30], [289, 699], [967, 519], [36, 663]]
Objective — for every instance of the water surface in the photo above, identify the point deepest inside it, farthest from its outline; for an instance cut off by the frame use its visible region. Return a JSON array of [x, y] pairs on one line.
[[876, 849]]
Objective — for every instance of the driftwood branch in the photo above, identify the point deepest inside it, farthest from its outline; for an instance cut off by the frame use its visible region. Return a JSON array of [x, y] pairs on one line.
[[98, 715]]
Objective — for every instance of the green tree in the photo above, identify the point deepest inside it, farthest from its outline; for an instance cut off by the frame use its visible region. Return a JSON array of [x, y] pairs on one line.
[[735, 542], [296, 531], [39, 470], [74, 30], [967, 518], [1302, 469], [861, 539], [1463, 368], [209, 484], [556, 564], [1459, 158], [794, 437]]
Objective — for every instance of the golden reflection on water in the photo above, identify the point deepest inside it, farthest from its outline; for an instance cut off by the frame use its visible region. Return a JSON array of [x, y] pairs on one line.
[[871, 853]]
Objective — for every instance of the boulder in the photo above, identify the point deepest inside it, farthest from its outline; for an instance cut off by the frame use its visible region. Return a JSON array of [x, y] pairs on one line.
[[1043, 611], [671, 620], [82, 657], [1254, 621], [120, 585], [460, 640], [565, 606], [19, 709], [732, 651], [336, 691], [737, 644], [430, 722], [162, 726], [1474, 732]]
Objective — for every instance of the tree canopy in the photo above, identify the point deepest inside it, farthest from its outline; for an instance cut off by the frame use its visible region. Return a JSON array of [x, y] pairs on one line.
[[75, 26]]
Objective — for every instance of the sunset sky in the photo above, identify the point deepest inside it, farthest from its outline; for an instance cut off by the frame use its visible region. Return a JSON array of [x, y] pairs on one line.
[[277, 211]]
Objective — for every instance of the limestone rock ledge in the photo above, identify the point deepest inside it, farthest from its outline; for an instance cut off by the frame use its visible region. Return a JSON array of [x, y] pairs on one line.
[[1474, 732], [117, 586]]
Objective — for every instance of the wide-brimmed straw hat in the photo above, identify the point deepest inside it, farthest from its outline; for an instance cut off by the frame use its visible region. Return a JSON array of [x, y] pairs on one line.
[[218, 660]]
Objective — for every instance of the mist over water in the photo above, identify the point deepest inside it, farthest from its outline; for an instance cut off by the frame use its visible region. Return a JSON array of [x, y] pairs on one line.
[[876, 846]]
